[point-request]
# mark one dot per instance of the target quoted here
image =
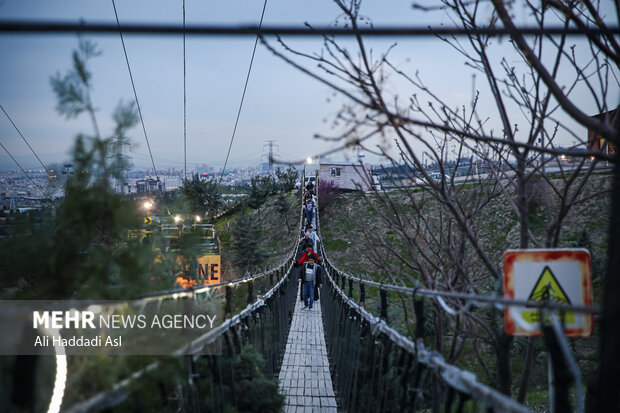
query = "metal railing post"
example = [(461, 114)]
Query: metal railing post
[(383, 310), (228, 300), (362, 292), (250, 292)]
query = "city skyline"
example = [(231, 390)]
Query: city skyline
[(281, 103)]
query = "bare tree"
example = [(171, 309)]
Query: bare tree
[(535, 105)]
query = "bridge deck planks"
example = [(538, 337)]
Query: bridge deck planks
[(304, 376)]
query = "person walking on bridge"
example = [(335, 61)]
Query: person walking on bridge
[(310, 277), (312, 235), (309, 207)]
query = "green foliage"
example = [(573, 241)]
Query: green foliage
[(247, 242), (81, 249), (73, 89), (256, 392), (336, 244), (284, 209), (261, 187), (202, 195), (287, 179)]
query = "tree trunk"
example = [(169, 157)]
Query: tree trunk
[(527, 368), (610, 334), (504, 375)]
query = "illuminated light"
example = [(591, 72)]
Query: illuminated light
[(309, 160), (61, 377), (147, 205), (197, 218), (177, 218)]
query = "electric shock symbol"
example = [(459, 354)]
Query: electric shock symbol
[(547, 288)]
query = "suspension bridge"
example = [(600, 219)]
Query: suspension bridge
[(336, 357), (339, 357)]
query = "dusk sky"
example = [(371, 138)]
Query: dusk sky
[(281, 103)]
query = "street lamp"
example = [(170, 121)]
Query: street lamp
[(177, 218), (197, 218), (309, 160)]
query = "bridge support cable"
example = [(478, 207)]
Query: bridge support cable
[(377, 369), (135, 94)]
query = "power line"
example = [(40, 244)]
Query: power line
[(377, 31), (120, 32), (25, 173), (247, 78)]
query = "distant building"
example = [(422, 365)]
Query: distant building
[(146, 185), (68, 168), (596, 142), (346, 175)]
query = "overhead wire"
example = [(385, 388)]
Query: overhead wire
[(32, 26), (30, 147), (247, 78), (26, 173), (120, 32)]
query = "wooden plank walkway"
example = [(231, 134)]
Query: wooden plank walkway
[(304, 377)]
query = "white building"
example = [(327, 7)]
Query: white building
[(346, 175)]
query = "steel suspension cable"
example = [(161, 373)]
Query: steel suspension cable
[(24, 139), (488, 299), (148, 145), (28, 144), (247, 78), (25, 173)]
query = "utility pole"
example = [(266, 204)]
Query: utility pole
[(119, 161), (271, 156)]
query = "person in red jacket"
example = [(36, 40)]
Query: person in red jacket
[(304, 257), (311, 280)]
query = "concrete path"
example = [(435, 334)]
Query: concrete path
[(304, 377)]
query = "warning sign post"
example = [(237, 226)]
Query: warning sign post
[(559, 276)]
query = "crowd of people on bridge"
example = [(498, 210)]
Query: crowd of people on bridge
[(307, 260)]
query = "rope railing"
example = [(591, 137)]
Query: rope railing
[(263, 324), (375, 368), (468, 297)]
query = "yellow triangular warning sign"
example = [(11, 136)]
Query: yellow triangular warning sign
[(547, 288)]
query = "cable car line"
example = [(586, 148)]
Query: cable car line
[(120, 32), (247, 78), (25, 173), (30, 147)]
